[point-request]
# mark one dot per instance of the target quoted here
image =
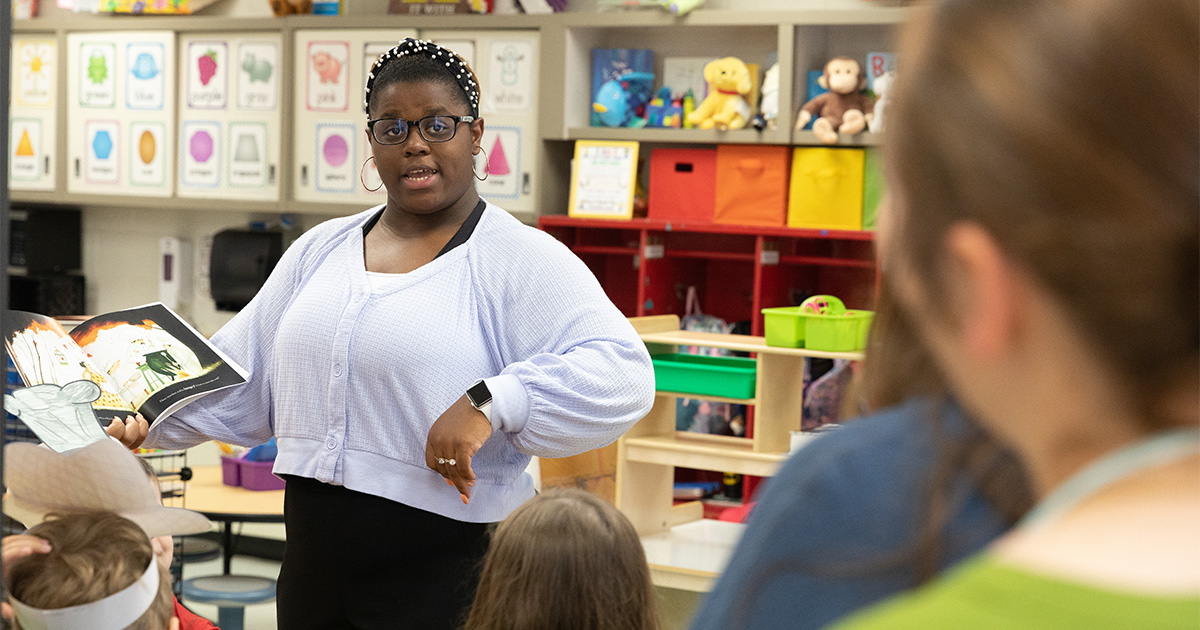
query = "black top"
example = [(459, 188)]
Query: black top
[(464, 231)]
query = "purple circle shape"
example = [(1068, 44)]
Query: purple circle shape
[(201, 146), (336, 150)]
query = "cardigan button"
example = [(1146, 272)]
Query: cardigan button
[(337, 369)]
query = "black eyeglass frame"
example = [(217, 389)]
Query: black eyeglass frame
[(417, 124)]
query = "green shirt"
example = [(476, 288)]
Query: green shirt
[(983, 594)]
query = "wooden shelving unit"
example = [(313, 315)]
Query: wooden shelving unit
[(685, 550)]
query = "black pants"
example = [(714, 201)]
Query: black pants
[(355, 560)]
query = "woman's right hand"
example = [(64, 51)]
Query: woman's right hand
[(131, 433)]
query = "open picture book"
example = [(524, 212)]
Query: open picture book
[(141, 360)]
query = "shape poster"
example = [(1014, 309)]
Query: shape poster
[(200, 151), (25, 155), (258, 76), (145, 85), (327, 85), (147, 154), (207, 70), (34, 62), (501, 161), (101, 164), (97, 80), (510, 76), (335, 158), (247, 154)]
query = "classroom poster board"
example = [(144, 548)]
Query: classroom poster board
[(229, 115), (603, 178), (329, 137), (506, 64), (33, 75), (121, 112)]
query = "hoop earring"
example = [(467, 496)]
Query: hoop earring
[(362, 175), (486, 167)]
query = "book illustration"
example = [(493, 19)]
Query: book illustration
[(62, 417), (144, 359)]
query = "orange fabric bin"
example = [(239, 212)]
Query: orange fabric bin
[(827, 189), (682, 185), (752, 184)]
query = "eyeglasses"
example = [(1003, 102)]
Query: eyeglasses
[(432, 128)]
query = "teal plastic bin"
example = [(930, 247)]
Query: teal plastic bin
[(729, 377)]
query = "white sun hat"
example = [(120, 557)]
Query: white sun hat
[(104, 476)]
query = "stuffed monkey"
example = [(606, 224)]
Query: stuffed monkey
[(844, 108)]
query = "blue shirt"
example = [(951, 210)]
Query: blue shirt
[(349, 378), (820, 538)]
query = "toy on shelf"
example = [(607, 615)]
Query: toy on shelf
[(291, 7), (678, 7), (844, 108), (768, 100), (883, 88), (663, 111), (617, 101), (725, 106)]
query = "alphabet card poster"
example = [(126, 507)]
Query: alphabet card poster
[(31, 132), (120, 106), (329, 133), (506, 64), (229, 132)]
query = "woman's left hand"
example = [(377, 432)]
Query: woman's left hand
[(457, 435)]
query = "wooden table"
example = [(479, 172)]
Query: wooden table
[(228, 505)]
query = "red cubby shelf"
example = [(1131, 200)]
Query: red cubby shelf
[(647, 265)]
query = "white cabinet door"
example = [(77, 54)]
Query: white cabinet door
[(121, 112), (506, 63), (31, 131), (229, 104), (330, 125)]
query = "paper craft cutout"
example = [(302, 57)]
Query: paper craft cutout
[(62, 417), (102, 476)]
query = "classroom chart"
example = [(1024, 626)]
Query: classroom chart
[(229, 129), (120, 112), (329, 136), (33, 85), (505, 63)]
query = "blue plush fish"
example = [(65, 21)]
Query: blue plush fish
[(613, 101)]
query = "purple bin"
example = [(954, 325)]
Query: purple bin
[(258, 476), (231, 471)]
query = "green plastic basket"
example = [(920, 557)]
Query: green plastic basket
[(729, 377), (838, 333), (784, 327)]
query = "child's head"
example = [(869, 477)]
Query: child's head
[(94, 556), (565, 559), (1042, 158)]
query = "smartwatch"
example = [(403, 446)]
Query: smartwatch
[(481, 399)]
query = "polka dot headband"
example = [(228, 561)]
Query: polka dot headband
[(453, 64)]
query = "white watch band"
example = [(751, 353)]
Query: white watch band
[(486, 409)]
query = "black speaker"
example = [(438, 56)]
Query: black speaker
[(45, 240), (53, 295), (239, 264)]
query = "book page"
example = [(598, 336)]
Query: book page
[(45, 354), (156, 359)]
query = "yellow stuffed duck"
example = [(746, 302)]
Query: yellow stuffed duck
[(725, 106)]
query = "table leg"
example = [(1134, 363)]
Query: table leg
[(227, 547)]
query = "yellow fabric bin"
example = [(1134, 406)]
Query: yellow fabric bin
[(826, 189)]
